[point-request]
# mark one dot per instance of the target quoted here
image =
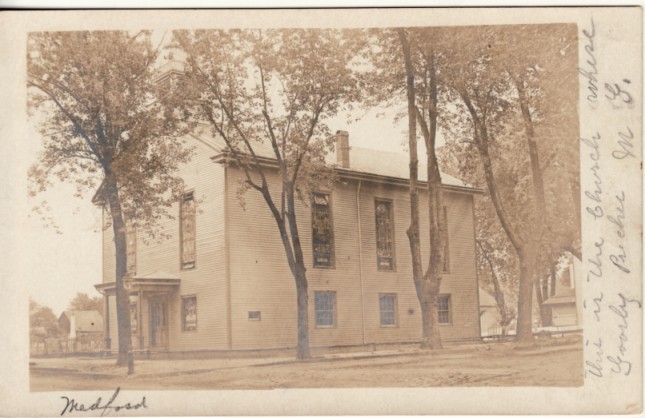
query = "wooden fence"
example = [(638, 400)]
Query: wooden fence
[(82, 344)]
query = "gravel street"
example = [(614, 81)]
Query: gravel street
[(549, 362)]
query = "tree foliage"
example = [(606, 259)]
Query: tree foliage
[(514, 129), (85, 302), (102, 124), (508, 114), (42, 322)]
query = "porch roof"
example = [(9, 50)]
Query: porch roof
[(160, 282)]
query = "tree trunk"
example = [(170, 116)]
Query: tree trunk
[(431, 337), (299, 273), (303, 351), (524, 321), (122, 299), (426, 289), (525, 302), (539, 298), (539, 209), (437, 226), (413, 231)]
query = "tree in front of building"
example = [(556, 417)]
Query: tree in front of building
[(408, 65), (510, 129), (95, 100), (274, 89)]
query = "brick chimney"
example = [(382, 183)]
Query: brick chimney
[(342, 149)]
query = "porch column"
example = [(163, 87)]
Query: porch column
[(140, 319), (108, 341)]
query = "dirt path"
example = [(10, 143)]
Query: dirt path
[(556, 364)]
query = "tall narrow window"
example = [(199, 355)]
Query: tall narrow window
[(187, 224), (446, 248), (384, 235), (189, 313), (388, 309), (322, 231), (443, 309), (131, 243), (325, 309)]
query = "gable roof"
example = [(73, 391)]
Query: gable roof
[(392, 164), (486, 299), (86, 321), (379, 165)]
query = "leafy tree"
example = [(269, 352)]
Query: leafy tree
[(511, 110), (272, 87), (84, 302), (102, 124), (42, 322), (422, 92)]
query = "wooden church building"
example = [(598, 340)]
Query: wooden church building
[(222, 281)]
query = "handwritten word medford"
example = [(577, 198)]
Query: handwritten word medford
[(71, 405)]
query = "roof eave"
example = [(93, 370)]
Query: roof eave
[(223, 158)]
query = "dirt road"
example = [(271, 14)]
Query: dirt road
[(551, 363)]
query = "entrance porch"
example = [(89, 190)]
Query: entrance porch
[(149, 298)]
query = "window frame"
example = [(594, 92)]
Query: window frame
[(187, 265), (332, 256), (184, 298), (395, 312), (334, 310), (448, 297), (389, 202)]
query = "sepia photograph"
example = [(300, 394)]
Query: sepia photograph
[(258, 207)]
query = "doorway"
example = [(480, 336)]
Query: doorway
[(158, 323)]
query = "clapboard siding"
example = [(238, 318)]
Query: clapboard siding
[(207, 280), (262, 280)]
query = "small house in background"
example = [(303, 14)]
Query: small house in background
[(566, 304), (489, 316), (78, 324)]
